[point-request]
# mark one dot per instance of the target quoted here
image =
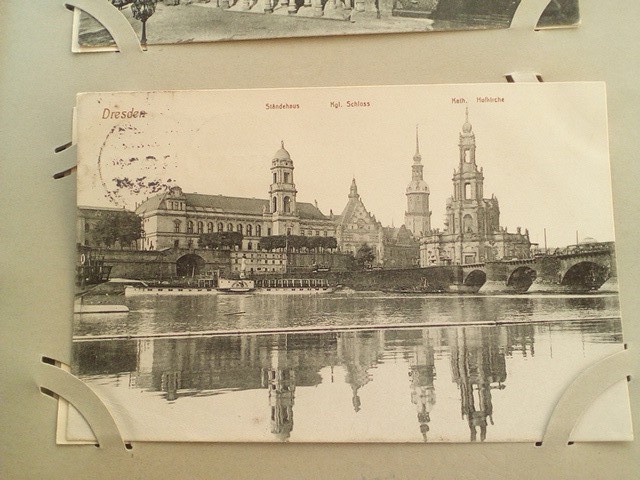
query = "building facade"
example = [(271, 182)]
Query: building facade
[(175, 219), (356, 226), (472, 232)]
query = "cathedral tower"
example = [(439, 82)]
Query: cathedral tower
[(472, 231), (417, 218), (466, 209), (282, 194)]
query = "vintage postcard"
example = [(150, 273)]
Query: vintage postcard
[(356, 264), (185, 21)]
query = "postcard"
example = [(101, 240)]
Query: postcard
[(186, 21), (355, 264)]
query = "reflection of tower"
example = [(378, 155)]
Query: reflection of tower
[(171, 384), (142, 376), (281, 382), (478, 366), (422, 375), (358, 352)]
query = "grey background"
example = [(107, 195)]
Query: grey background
[(39, 77)]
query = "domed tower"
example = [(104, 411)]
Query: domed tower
[(417, 218), (282, 194), (465, 211)]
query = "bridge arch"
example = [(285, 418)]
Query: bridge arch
[(189, 265), (521, 278), (586, 276), (475, 278)]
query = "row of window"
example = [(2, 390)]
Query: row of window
[(257, 255), (265, 269), (198, 227), (286, 205), (272, 262), (248, 230), (285, 177)]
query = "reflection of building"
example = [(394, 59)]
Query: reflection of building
[(281, 383), (358, 352), (422, 374), (472, 228), (177, 219), (282, 365), (478, 366)]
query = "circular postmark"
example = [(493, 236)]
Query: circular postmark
[(134, 164)]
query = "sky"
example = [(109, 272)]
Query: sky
[(543, 148)]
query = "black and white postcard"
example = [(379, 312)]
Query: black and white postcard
[(186, 21), (356, 264)]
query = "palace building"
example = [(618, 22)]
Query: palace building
[(175, 219), (472, 232)]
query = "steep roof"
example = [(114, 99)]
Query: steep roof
[(151, 204), (225, 204), (309, 211)]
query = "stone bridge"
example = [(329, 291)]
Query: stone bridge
[(570, 270)]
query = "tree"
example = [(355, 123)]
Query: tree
[(274, 242), (142, 10), (330, 243), (221, 240), (364, 256), (120, 226)]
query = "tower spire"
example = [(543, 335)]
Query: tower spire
[(466, 127), (353, 191), (417, 158)]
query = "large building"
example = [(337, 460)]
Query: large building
[(175, 219), (472, 232)]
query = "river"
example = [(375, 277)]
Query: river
[(406, 381)]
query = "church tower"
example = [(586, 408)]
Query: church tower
[(417, 218), (472, 231), (282, 194), (465, 210)]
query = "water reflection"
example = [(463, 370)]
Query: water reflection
[(478, 366), (280, 365), (422, 374), (158, 314)]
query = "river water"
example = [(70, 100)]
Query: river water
[(410, 381)]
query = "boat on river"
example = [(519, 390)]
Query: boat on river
[(131, 290), (300, 286), (242, 285)]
